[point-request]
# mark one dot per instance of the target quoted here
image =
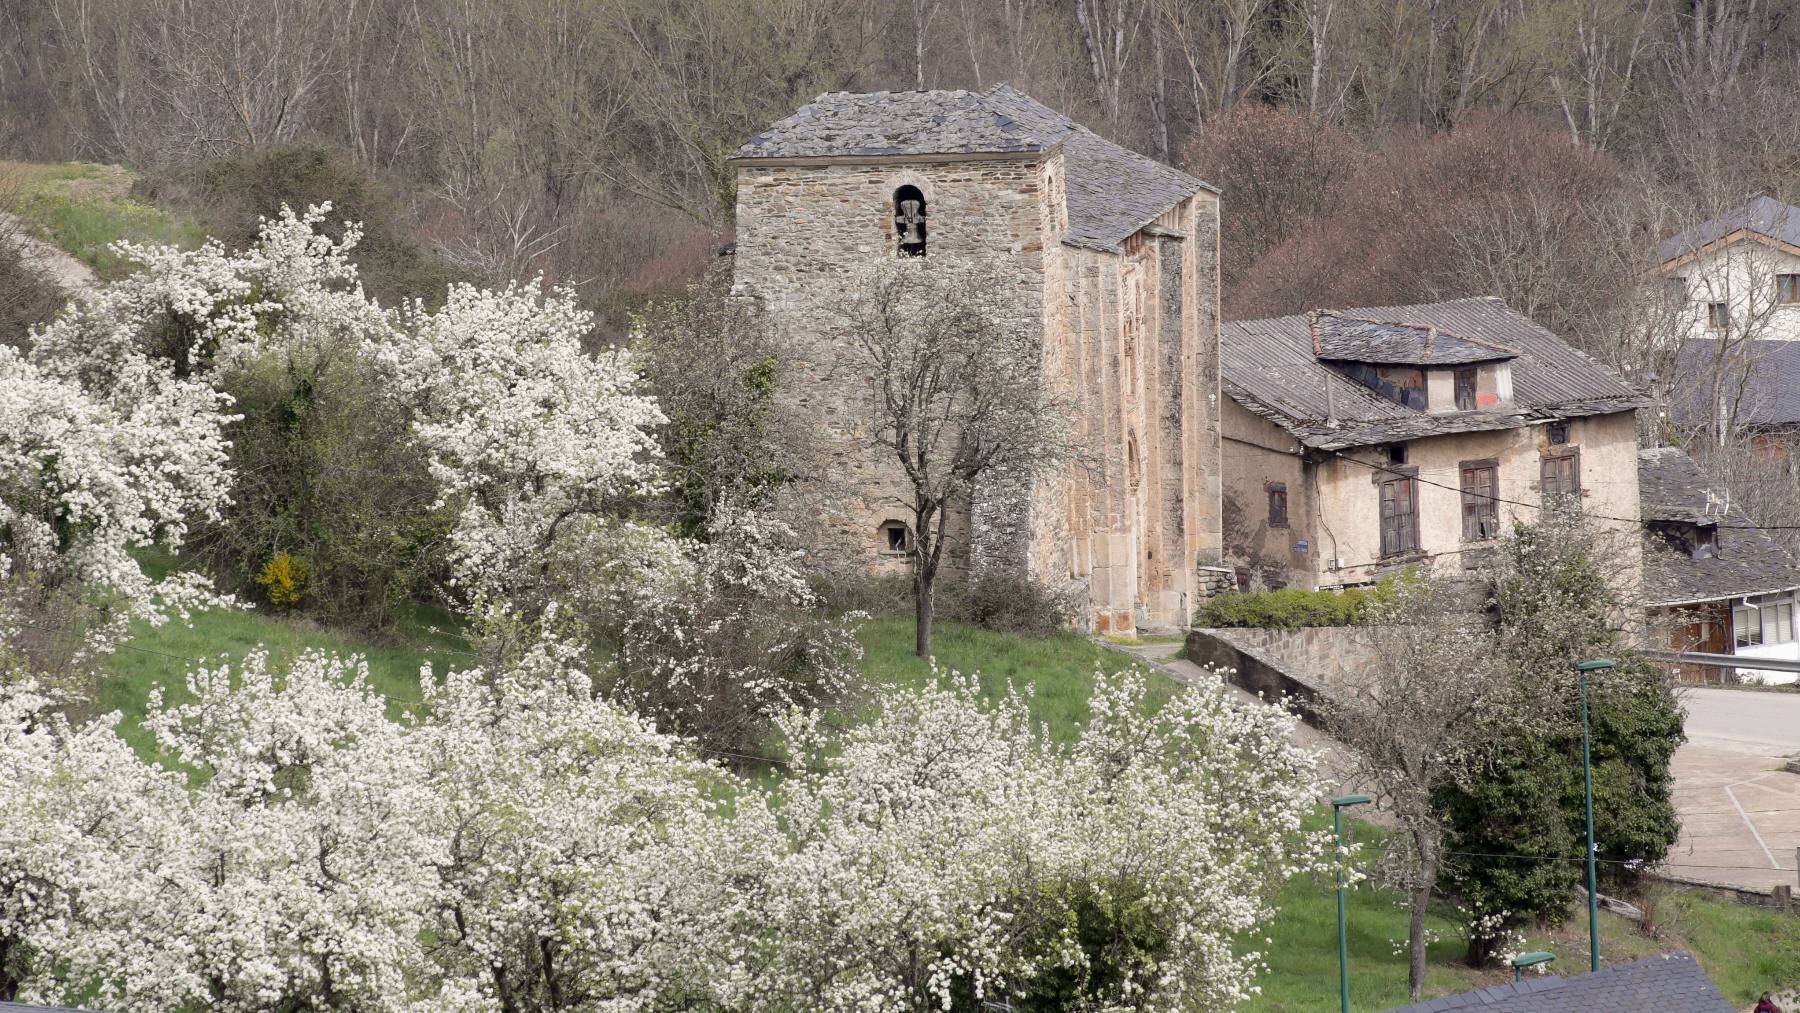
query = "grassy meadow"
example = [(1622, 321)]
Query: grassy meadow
[(84, 208)]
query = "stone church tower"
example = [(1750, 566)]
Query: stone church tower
[(1116, 259)]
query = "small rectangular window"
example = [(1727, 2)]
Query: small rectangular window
[(1787, 288), (1676, 289), (1746, 620), (1718, 316), (1560, 476), (1399, 516), (1465, 390), (1480, 501), (1778, 623), (1278, 505)]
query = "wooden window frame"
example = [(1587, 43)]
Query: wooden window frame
[(1554, 458), (1787, 288), (1278, 504), (1401, 536), (1457, 388), (1480, 509), (1718, 316)]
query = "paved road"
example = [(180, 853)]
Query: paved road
[(1744, 721), (1740, 813)]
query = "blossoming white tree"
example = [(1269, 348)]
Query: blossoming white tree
[(522, 845), (529, 437), (948, 852), (89, 472)]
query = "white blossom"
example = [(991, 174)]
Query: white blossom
[(529, 437), (88, 474)]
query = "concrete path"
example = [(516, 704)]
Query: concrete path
[(1740, 819), (1740, 812), (71, 274)]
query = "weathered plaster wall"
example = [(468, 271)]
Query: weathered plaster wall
[(1341, 517), (1256, 454)]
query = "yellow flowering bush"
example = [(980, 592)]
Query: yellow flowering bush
[(283, 580)]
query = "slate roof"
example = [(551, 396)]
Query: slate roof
[(1672, 488), (1270, 367), (1762, 382), (1112, 192), (19, 1007), (1764, 216), (1349, 339), (1673, 983)]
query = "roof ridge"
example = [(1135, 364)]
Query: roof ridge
[(1431, 330)]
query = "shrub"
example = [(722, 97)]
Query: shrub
[(1002, 602), (1289, 608), (326, 468), (1007, 603), (283, 580)]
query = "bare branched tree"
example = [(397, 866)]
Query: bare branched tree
[(957, 395), (1428, 718)]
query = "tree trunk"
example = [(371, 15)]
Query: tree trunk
[(1421, 902), (922, 608)]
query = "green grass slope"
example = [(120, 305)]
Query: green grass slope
[(84, 208)]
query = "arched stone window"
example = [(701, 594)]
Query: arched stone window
[(896, 538), (909, 221)]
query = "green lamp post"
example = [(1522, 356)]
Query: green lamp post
[(1338, 805), (1587, 777), (1524, 960)]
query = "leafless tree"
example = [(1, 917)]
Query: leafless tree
[(1429, 717), (1109, 33), (957, 395)]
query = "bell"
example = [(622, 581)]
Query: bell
[(909, 223)]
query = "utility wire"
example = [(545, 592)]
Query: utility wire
[(1538, 506)]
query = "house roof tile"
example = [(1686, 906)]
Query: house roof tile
[(1760, 382), (1764, 216), (1386, 342), (1112, 192), (1658, 985), (1273, 368), (1673, 490)]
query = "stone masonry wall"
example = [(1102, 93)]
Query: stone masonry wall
[(801, 231), (1130, 337)]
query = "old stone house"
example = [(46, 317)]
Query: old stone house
[(1115, 258), (1359, 442), (1714, 582)]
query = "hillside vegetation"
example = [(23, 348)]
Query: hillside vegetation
[(83, 208)]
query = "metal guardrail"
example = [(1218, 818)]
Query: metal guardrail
[(1725, 660)]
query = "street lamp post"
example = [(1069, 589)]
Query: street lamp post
[(1587, 778), (1338, 805)]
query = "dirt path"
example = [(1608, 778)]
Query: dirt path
[(67, 272)]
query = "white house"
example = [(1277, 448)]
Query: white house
[(1737, 275)]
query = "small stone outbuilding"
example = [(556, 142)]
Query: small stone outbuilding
[(1115, 258)]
